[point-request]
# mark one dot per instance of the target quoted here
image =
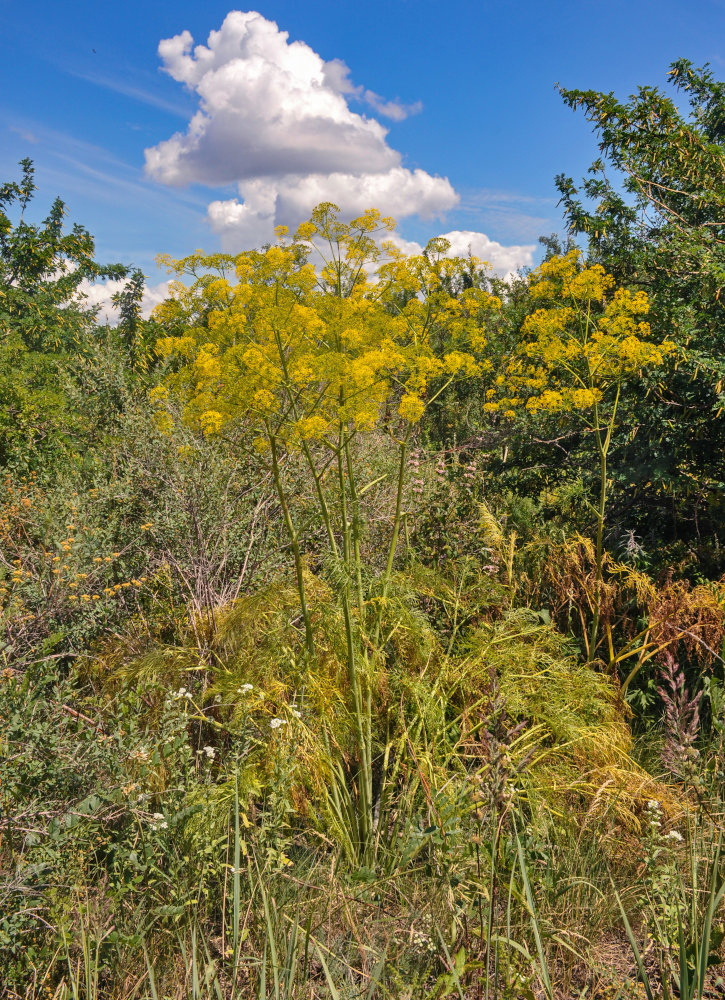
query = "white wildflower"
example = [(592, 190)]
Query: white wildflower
[(423, 941), (245, 688), (276, 723), (297, 715), (210, 752), (674, 835)]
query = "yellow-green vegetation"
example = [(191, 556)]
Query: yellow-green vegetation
[(351, 646)]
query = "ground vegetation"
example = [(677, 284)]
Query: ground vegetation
[(362, 615)]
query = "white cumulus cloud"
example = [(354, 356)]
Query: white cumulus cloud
[(99, 294), (265, 203), (276, 120), (503, 260), (267, 108)]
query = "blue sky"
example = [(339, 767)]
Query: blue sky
[(445, 112)]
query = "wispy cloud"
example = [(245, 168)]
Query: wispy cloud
[(109, 185), (513, 215), (58, 140), (485, 197), (88, 169), (135, 93), (25, 134), (337, 76)]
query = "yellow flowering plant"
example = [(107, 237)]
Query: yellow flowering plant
[(315, 341), (578, 348)]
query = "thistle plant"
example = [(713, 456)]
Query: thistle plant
[(314, 354)]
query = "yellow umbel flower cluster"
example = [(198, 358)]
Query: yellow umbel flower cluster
[(303, 350), (580, 344)]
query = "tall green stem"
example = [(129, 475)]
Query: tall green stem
[(359, 703), (294, 540), (356, 525), (395, 532), (599, 555), (398, 507), (603, 450)]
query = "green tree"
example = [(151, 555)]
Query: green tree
[(43, 323)]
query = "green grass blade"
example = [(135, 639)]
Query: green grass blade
[(334, 992), (635, 948), (543, 970)]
